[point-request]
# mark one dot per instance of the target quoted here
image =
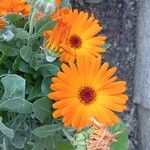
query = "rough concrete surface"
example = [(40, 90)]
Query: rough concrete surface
[(118, 18), (142, 74), (142, 71), (144, 130)]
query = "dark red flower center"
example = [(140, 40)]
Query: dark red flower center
[(75, 41), (87, 95)]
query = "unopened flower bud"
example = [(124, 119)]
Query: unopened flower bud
[(44, 6)]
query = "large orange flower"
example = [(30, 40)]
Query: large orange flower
[(14, 6), (87, 89), (79, 37), (2, 23)]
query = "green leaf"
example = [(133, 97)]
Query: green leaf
[(3, 59), (41, 144), (22, 66), (48, 70), (5, 130), (12, 17), (36, 91), (46, 130), (37, 60), (9, 49), (47, 26), (15, 30), (18, 141), (93, 1), (7, 145), (64, 146), (67, 134), (28, 147), (106, 46), (41, 22), (16, 124), (45, 86), (18, 105), (26, 53), (42, 108), (3, 71), (24, 35), (122, 138), (66, 3), (46, 143), (8, 35), (17, 88), (9, 64), (29, 87)]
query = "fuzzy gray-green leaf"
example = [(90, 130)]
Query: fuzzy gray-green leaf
[(26, 53), (47, 26), (46, 130), (5, 130), (24, 35), (9, 49), (42, 108), (14, 86), (45, 86), (48, 70), (18, 105)]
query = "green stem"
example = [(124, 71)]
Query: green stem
[(31, 24)]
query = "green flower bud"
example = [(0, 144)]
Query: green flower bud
[(44, 6), (51, 55)]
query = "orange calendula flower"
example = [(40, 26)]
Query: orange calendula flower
[(87, 89), (60, 13), (58, 2), (14, 6), (80, 36), (2, 23)]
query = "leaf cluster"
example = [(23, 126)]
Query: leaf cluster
[(25, 75)]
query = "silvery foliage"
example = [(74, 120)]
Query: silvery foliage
[(7, 36), (44, 6)]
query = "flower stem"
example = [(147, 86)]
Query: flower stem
[(31, 24)]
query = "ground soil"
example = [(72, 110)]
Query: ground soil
[(118, 18)]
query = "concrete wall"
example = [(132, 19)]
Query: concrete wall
[(142, 74)]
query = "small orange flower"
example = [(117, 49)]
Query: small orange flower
[(88, 89), (58, 2), (56, 35), (80, 36), (2, 23), (60, 13), (14, 6)]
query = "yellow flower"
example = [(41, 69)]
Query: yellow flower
[(14, 6), (87, 89), (2, 23), (80, 37)]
